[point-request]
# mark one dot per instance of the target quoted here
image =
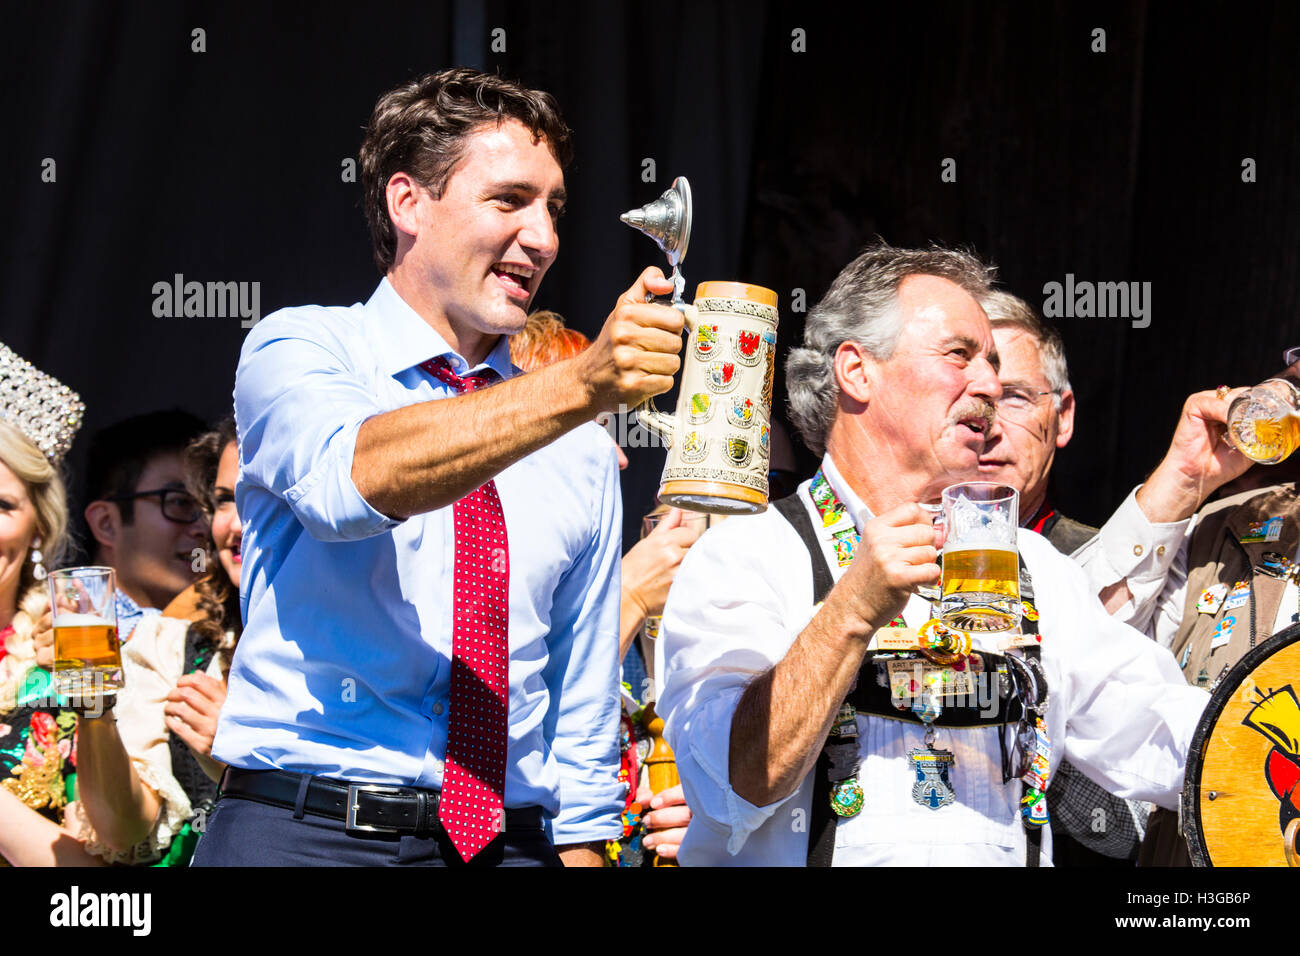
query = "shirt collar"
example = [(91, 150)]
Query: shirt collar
[(125, 605), (861, 513), (405, 340)]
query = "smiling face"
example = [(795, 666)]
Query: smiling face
[(473, 259), (227, 531), (17, 529), (930, 405), (1029, 428), (155, 556)]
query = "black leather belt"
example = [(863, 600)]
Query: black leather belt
[(363, 807)]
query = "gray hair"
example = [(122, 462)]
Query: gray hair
[(1007, 311), (862, 306)]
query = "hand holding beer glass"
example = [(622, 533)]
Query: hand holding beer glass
[(87, 656), (694, 521), (1264, 422), (980, 587)]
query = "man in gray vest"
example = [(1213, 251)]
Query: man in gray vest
[(1209, 584), (1035, 418)]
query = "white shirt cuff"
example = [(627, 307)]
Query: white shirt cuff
[(1134, 548)]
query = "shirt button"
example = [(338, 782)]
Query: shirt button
[(437, 709), (1160, 551), (1137, 550)]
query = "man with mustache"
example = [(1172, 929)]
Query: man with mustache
[(776, 663)]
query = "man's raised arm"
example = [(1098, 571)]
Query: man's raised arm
[(426, 456), (783, 717)]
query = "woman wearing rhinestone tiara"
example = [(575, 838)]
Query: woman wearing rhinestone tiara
[(38, 821)]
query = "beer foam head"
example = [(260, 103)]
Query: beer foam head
[(68, 619)]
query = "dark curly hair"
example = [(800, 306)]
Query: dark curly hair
[(218, 595), (422, 127)]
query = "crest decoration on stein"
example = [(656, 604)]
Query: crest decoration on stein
[(717, 463)]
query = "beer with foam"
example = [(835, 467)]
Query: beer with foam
[(988, 581), (980, 588), (1263, 436), (1264, 421), (87, 655)]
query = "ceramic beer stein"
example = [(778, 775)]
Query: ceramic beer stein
[(718, 438)]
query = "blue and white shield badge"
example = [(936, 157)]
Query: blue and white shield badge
[(932, 788)]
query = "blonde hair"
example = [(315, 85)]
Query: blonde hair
[(45, 490), (20, 646), (44, 486)]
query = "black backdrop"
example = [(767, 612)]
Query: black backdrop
[(805, 130)]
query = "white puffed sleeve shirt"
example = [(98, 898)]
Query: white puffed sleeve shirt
[(1120, 709)]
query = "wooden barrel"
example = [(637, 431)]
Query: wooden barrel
[(1241, 796)]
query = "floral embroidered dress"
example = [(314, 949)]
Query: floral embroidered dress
[(38, 741)]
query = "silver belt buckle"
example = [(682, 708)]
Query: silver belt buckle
[(351, 821)]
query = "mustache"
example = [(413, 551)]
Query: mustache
[(975, 408)]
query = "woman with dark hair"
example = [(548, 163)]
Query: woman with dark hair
[(211, 605)]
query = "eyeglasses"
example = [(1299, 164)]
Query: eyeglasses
[(1019, 402), (177, 505)]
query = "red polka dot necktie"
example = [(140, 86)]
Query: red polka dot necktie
[(474, 775)]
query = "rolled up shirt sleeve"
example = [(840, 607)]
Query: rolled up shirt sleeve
[(582, 673), (299, 406), (719, 633)]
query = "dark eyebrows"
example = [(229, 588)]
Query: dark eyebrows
[(558, 195)]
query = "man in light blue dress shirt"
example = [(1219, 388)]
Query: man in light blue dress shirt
[(351, 457)]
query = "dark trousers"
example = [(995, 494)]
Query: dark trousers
[(245, 833)]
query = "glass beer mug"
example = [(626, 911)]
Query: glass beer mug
[(980, 587), (87, 656), (1264, 422)]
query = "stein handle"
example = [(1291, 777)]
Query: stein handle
[(1291, 843), (654, 421)]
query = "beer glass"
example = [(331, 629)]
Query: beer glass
[(1264, 422), (691, 519), (87, 657), (980, 587)]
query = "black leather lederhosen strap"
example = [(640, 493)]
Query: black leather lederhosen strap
[(821, 830), (868, 696)]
